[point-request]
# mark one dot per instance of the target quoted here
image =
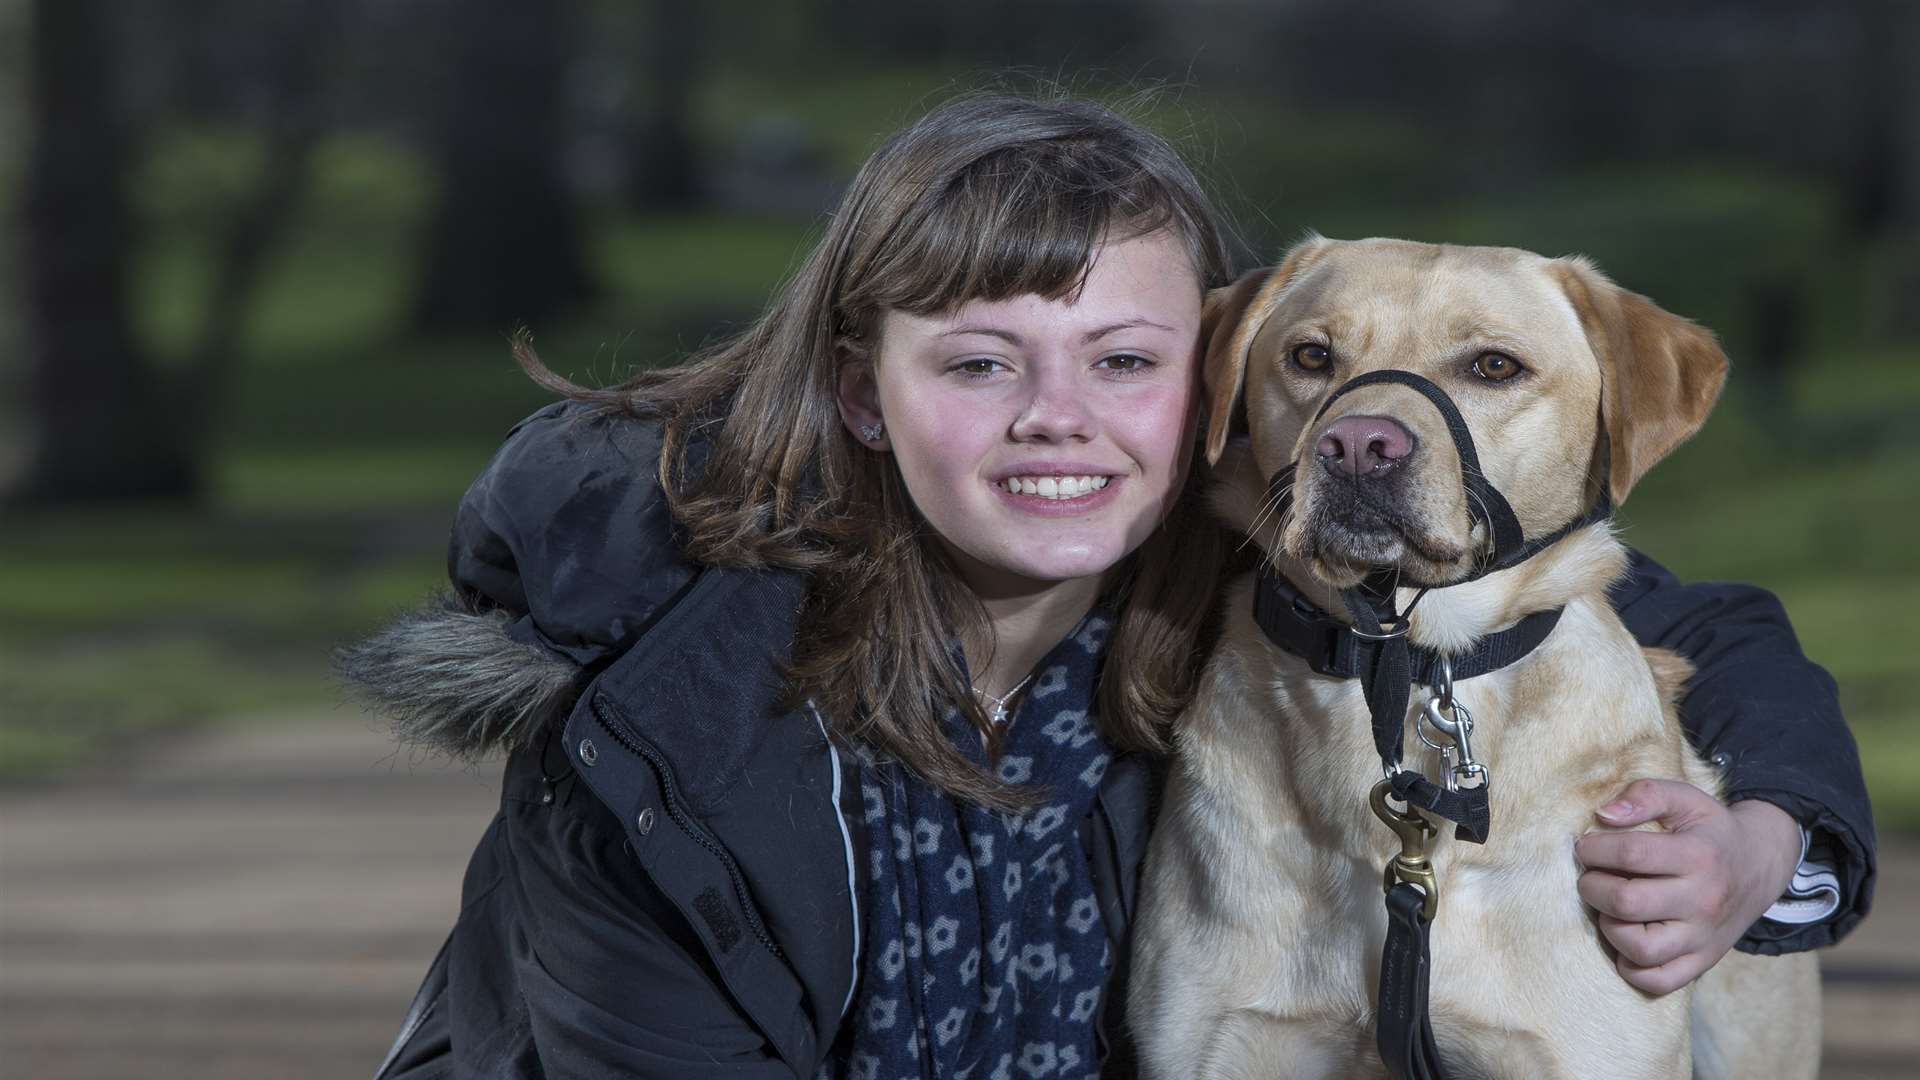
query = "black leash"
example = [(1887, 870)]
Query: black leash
[(1403, 1030), (1374, 649), (1405, 1034)]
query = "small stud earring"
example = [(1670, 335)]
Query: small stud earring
[(870, 432)]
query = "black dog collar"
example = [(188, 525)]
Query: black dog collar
[(1329, 646)]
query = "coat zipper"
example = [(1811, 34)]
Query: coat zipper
[(699, 835)]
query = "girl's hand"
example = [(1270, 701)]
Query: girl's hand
[(1672, 903)]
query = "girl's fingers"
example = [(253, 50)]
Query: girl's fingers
[(1647, 945), (1663, 978), (1639, 899), (1642, 854)]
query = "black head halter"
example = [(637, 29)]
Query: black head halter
[(1509, 546)]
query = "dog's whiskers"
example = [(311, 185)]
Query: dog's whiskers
[(1280, 526), (1487, 523), (1267, 509)]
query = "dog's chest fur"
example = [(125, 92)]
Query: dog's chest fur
[(1282, 857)]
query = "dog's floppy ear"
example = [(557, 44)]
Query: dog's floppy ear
[(1231, 320), (1659, 373), (1224, 367)]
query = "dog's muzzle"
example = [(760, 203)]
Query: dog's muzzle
[(1507, 543)]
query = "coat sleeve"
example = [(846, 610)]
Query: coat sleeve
[(614, 981), (1770, 719)]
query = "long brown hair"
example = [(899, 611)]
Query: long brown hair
[(988, 197)]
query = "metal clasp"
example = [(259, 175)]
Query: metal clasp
[(1416, 839), (1454, 723)]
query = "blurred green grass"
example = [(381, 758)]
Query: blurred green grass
[(345, 443)]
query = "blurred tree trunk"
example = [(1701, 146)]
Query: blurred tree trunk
[(1883, 190), (109, 425), (664, 168), (294, 117), (102, 428), (1878, 190), (503, 246)]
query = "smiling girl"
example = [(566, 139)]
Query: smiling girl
[(1041, 440), (834, 666)]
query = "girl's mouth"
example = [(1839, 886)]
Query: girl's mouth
[(1059, 488)]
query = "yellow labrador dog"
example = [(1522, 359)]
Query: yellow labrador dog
[(1258, 953)]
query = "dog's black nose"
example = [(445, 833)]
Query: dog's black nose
[(1363, 445)]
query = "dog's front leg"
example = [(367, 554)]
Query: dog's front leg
[(1190, 993)]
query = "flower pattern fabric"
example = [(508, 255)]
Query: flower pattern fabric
[(986, 954)]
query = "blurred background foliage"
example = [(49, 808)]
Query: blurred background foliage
[(264, 258)]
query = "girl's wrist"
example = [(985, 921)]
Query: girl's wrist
[(1773, 838)]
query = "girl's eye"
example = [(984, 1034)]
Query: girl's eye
[(1496, 366), (1127, 363), (1312, 357), (978, 367)]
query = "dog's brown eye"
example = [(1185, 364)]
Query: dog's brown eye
[(1496, 367), (1311, 357)]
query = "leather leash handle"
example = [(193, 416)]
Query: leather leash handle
[(1405, 1029)]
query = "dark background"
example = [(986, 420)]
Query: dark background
[(261, 260), (264, 258)]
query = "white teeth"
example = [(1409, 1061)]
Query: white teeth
[(1054, 487)]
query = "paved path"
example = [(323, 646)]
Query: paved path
[(260, 901)]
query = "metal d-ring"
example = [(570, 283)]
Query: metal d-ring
[(1395, 627), (1443, 682), (1441, 701)]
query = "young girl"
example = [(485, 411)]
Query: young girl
[(835, 665)]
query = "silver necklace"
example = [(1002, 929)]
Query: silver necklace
[(999, 713)]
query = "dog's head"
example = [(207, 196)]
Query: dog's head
[(1570, 385)]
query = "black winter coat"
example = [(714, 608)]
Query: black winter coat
[(668, 888)]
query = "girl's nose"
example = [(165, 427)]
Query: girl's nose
[(1054, 412)]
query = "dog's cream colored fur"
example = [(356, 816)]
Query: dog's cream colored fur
[(1259, 941)]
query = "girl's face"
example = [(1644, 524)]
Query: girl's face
[(1043, 440)]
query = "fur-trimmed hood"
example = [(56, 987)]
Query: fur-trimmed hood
[(561, 552), (453, 679)]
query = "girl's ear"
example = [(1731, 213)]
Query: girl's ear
[(858, 396)]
